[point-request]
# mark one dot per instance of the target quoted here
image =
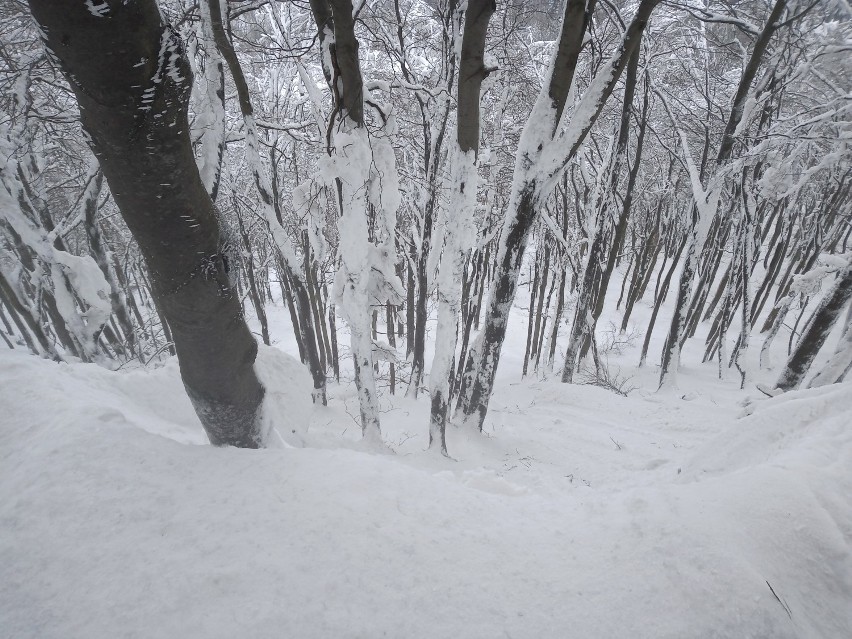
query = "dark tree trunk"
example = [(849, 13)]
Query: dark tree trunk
[(541, 308), (420, 310), (658, 303), (533, 286), (135, 114), (817, 331), (410, 292), (526, 202)]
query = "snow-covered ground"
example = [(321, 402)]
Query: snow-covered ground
[(702, 512)]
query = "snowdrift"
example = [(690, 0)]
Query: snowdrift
[(114, 522)]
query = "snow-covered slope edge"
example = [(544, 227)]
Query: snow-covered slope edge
[(108, 529), (778, 481)]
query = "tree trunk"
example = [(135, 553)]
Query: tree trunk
[(544, 150), (458, 236), (133, 105), (841, 360), (817, 331)]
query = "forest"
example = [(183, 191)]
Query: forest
[(542, 311)]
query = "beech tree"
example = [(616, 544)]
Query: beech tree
[(459, 212), (363, 172), (133, 106), (546, 147)]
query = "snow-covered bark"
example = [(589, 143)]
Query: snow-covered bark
[(350, 164), (459, 236), (211, 118), (458, 231), (550, 139), (815, 334), (362, 170)]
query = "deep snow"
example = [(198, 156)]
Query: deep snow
[(706, 512)]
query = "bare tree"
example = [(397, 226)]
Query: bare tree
[(472, 71), (128, 69), (547, 145), (818, 329)]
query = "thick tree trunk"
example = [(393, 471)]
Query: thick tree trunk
[(132, 81)]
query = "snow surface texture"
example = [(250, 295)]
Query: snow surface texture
[(581, 514)]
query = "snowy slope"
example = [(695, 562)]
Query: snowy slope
[(583, 514)]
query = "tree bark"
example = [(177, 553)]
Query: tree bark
[(817, 331), (132, 80), (472, 71), (536, 170)]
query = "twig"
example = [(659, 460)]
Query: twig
[(783, 603)]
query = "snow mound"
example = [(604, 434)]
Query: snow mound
[(112, 526), (287, 404), (799, 429)]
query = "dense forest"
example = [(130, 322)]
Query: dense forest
[(385, 162)]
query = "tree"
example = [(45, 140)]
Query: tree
[(460, 210), (815, 334), (549, 141), (129, 72), (595, 280), (704, 211), (362, 170)]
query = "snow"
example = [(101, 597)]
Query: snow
[(578, 513), (210, 120), (100, 10), (288, 396)]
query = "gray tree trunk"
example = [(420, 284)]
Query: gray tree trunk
[(824, 319), (129, 72)]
